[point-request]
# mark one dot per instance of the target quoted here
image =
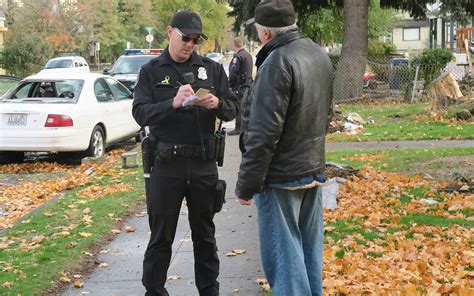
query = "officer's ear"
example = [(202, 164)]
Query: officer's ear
[(169, 30)]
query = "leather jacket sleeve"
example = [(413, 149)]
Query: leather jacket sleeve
[(269, 102)]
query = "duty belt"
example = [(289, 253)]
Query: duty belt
[(180, 150)]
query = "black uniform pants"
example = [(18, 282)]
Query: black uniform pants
[(238, 117), (169, 184)]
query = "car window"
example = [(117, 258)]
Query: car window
[(69, 89), (23, 91), (130, 65), (46, 89), (58, 64), (49, 91), (102, 91), (121, 92)]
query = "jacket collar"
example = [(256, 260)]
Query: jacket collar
[(276, 42), (165, 59)]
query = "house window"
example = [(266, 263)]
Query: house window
[(411, 34)]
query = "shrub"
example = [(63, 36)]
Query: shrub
[(431, 62), (378, 48)]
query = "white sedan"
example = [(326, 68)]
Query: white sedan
[(65, 112)]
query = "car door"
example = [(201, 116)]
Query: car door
[(127, 125), (110, 109)]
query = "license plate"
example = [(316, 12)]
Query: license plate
[(16, 119)]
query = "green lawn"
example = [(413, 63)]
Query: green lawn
[(403, 122), (393, 160), (5, 85), (53, 243)]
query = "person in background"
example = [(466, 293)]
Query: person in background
[(283, 158), (240, 68), (184, 165)]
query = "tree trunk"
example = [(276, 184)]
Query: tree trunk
[(217, 45), (351, 66)]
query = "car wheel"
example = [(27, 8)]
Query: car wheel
[(96, 143), (7, 157)]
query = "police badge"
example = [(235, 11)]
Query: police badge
[(202, 74)]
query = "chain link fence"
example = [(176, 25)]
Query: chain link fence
[(395, 78)]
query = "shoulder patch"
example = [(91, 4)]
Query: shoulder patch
[(234, 60)]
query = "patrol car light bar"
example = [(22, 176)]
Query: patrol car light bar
[(131, 51)]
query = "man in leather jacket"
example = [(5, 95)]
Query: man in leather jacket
[(184, 164), (283, 161)]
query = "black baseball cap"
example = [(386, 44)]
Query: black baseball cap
[(188, 22), (274, 14)]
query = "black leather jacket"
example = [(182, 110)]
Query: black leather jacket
[(287, 112)]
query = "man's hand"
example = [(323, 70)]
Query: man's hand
[(184, 91), (208, 101), (245, 201)]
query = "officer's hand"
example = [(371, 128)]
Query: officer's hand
[(184, 91), (209, 101)]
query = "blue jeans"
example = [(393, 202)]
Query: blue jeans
[(291, 235)]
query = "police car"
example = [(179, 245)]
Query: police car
[(128, 65)]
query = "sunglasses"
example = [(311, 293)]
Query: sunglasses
[(186, 39)]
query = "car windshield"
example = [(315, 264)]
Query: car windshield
[(213, 55), (51, 91), (52, 64), (130, 65)]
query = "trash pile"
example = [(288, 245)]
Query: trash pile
[(466, 85), (460, 184), (351, 124), (335, 174)]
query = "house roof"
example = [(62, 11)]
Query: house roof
[(412, 23)]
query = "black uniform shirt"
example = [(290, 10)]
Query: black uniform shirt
[(241, 65), (158, 83)]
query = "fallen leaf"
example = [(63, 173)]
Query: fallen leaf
[(78, 284), (85, 234), (129, 229), (264, 284), (64, 279), (103, 265), (173, 277), (38, 239), (116, 231), (7, 284)]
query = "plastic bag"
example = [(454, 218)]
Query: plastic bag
[(330, 191)]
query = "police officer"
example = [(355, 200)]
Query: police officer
[(183, 165), (240, 68)]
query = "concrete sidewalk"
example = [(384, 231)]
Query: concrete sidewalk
[(236, 228)]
